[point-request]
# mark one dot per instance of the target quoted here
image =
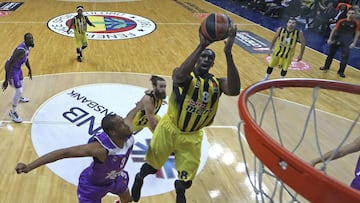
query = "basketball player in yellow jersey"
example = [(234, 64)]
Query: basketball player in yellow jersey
[(80, 27), (192, 106), (150, 104), (285, 40)]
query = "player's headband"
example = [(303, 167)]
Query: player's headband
[(79, 8)]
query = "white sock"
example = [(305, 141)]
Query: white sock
[(266, 76), (16, 98), (13, 108)]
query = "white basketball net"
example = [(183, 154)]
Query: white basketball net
[(305, 131)]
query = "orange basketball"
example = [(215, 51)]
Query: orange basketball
[(216, 26)]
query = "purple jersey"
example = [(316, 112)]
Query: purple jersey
[(356, 182), (17, 66), (100, 178)]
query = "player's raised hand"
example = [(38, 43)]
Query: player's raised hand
[(203, 41), (231, 38)]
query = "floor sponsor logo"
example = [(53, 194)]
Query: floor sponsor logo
[(10, 6), (108, 25), (251, 42), (4, 13), (72, 116), (295, 65)]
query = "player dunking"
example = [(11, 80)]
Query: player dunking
[(150, 104), (14, 75), (285, 40), (110, 151), (80, 23), (192, 104)]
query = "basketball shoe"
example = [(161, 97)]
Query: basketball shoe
[(324, 68), (341, 74), (24, 99), (15, 117), (136, 188)]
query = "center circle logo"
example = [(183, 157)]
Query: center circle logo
[(108, 25), (72, 116)]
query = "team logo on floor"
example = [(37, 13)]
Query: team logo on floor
[(72, 116), (108, 25), (295, 65)]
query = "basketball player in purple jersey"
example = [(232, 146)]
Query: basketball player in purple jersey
[(14, 75), (110, 151), (343, 151)]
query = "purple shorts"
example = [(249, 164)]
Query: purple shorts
[(356, 183), (16, 79), (91, 193)]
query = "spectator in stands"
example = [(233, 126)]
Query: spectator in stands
[(285, 9), (306, 8), (342, 10), (317, 9), (323, 18), (292, 10)]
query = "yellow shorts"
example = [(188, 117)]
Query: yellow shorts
[(138, 125), (81, 39), (284, 63), (168, 138)]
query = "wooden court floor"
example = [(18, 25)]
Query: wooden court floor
[(132, 61)]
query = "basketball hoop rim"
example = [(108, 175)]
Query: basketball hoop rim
[(263, 145)]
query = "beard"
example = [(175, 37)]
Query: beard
[(160, 95), (30, 44)]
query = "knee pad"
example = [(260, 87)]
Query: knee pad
[(148, 169), (269, 70), (181, 186)]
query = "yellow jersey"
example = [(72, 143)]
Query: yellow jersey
[(193, 105), (80, 24), (285, 44)]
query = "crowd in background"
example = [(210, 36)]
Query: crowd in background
[(316, 15)]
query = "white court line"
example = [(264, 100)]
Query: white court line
[(146, 74), (10, 121)]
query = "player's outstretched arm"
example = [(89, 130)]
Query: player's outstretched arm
[(132, 113), (149, 108), (343, 151), (93, 149)]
